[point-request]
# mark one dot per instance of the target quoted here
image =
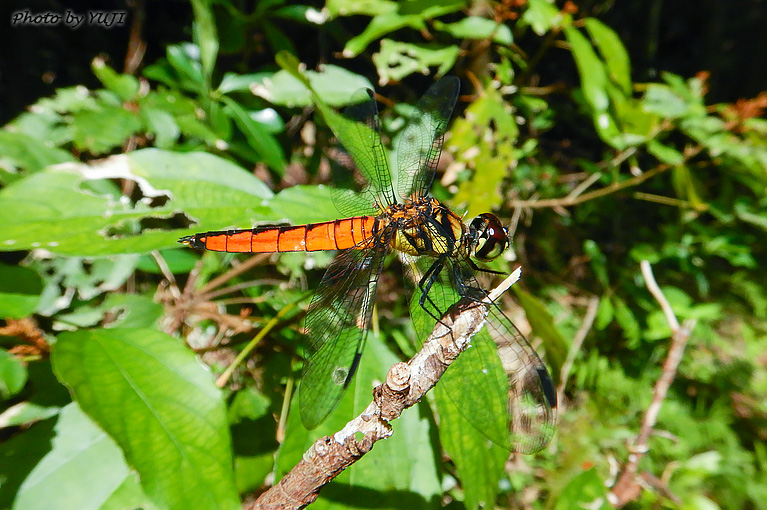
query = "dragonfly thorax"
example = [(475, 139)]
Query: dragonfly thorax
[(425, 226)]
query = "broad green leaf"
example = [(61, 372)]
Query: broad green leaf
[(479, 462), (254, 437), (402, 465), (171, 420), (477, 27), (613, 52), (132, 310), (590, 69), (13, 375), (84, 459), (304, 204), (397, 60), (543, 327), (20, 289), (22, 152), (258, 136), (74, 210)]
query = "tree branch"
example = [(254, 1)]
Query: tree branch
[(405, 385), (627, 487)]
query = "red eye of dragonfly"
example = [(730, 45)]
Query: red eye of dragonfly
[(382, 217), (491, 238)]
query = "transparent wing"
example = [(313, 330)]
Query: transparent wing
[(361, 174), (500, 385), (420, 144), (336, 323)]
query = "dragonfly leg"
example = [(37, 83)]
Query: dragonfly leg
[(425, 284)]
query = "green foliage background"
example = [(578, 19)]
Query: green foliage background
[(112, 334)]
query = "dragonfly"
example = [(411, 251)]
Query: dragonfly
[(386, 212)]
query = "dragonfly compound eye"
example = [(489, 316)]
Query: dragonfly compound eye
[(491, 238)]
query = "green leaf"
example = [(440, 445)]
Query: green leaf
[(162, 125), (604, 313), (590, 69), (84, 459), (124, 85), (479, 462), (171, 420), (477, 27), (62, 210), (338, 8), (104, 129), (205, 35), (23, 451), (304, 204), (184, 58), (542, 16), (543, 327), (397, 60), (233, 82), (664, 101), (20, 289), (335, 85), (13, 375), (380, 26), (665, 153), (613, 52), (21, 152), (258, 136)]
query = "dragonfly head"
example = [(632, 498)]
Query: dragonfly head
[(490, 237)]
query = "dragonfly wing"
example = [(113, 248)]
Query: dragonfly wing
[(499, 384), (336, 323), (361, 170), (420, 143)]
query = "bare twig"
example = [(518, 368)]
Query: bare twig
[(580, 336), (405, 385), (570, 200), (628, 486)]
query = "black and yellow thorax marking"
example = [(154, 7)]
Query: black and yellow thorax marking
[(424, 227)]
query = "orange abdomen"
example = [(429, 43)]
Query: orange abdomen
[(329, 235)]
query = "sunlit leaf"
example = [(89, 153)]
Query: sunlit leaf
[(171, 422), (85, 460)]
